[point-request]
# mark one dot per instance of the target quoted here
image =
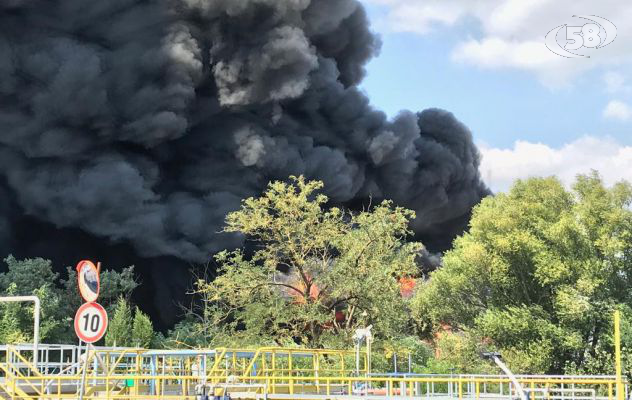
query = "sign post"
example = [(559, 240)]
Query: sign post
[(91, 319)]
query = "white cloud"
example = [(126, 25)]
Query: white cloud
[(501, 167), (512, 32), (617, 110), (421, 17), (615, 82)]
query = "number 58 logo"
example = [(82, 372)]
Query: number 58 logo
[(595, 35)]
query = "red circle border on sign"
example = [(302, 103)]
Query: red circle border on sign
[(91, 264), (101, 331)]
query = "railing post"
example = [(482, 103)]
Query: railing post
[(609, 390), (617, 353)]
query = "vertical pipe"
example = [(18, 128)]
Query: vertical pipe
[(36, 320), (617, 353), (36, 324)]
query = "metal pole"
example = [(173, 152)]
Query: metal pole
[(617, 353), (85, 370), (36, 319), (369, 342), (395, 362), (512, 377), (358, 358)]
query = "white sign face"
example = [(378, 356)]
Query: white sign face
[(91, 321)]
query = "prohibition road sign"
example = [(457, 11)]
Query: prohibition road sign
[(91, 321)]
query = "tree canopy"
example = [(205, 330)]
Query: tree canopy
[(315, 274), (59, 299), (129, 329), (539, 274)]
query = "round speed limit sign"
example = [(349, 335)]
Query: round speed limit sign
[(91, 321)]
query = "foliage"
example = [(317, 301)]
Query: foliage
[(31, 277), (113, 285), (13, 317), (397, 351), (539, 274), (142, 330), (537, 277), (59, 299), (129, 329), (120, 325), (190, 333), (316, 274)]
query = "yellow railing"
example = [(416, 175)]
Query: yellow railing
[(268, 359), (308, 374), (183, 387)]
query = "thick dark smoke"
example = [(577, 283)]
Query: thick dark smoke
[(143, 122)]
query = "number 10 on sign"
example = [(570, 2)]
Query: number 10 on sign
[(91, 322)]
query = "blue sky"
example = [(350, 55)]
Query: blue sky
[(539, 114)]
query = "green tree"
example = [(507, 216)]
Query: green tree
[(59, 298), (142, 330), (539, 274), (316, 273), (32, 277), (119, 331), (13, 320)]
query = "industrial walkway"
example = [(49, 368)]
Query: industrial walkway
[(69, 372)]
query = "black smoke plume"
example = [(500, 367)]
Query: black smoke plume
[(141, 123)]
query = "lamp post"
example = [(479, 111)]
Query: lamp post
[(495, 356)]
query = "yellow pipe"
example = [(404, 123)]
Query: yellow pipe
[(617, 353), (609, 391)]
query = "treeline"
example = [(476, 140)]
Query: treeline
[(537, 277)]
